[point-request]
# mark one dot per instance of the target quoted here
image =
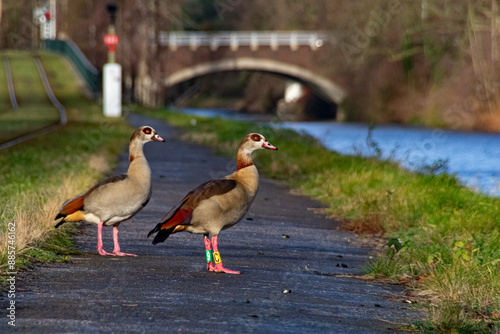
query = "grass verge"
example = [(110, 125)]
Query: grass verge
[(443, 239), (35, 109), (36, 177)]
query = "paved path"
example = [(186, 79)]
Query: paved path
[(167, 289)]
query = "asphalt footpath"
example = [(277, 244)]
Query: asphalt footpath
[(298, 270)]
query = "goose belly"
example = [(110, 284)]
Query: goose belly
[(219, 213), (117, 206)]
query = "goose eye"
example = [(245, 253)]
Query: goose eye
[(147, 131), (256, 138)]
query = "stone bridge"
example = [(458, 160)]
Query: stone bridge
[(293, 54)]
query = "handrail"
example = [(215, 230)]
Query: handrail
[(87, 71), (10, 83), (314, 39)]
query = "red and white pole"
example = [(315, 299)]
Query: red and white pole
[(112, 71)]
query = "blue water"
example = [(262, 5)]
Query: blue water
[(473, 157)]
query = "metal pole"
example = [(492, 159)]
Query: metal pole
[(111, 7), (112, 72)]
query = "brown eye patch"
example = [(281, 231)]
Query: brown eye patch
[(147, 131), (255, 137)]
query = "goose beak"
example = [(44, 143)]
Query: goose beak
[(269, 146), (157, 138)]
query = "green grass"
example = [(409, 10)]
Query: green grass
[(15, 123), (36, 177), (27, 81), (35, 110), (444, 239)]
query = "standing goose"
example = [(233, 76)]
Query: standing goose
[(116, 198), (217, 204)]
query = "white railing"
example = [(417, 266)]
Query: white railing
[(234, 39)]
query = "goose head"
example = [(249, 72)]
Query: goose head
[(255, 141), (145, 134)]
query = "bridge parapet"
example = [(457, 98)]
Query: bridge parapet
[(235, 39), (299, 55)]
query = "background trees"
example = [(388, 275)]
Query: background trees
[(431, 62)]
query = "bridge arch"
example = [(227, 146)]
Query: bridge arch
[(323, 87)]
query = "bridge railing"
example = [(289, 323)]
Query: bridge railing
[(234, 39), (69, 49)]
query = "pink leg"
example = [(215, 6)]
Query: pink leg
[(208, 247), (218, 262), (99, 240), (117, 251)]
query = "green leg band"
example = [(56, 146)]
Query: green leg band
[(209, 255)]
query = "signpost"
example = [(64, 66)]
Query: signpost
[(46, 17), (112, 72)]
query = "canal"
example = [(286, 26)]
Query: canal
[(473, 157)]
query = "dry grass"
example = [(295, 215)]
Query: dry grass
[(33, 212), (371, 225)]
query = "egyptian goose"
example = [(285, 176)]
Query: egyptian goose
[(216, 204), (116, 198)]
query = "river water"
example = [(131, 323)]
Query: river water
[(473, 157)]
